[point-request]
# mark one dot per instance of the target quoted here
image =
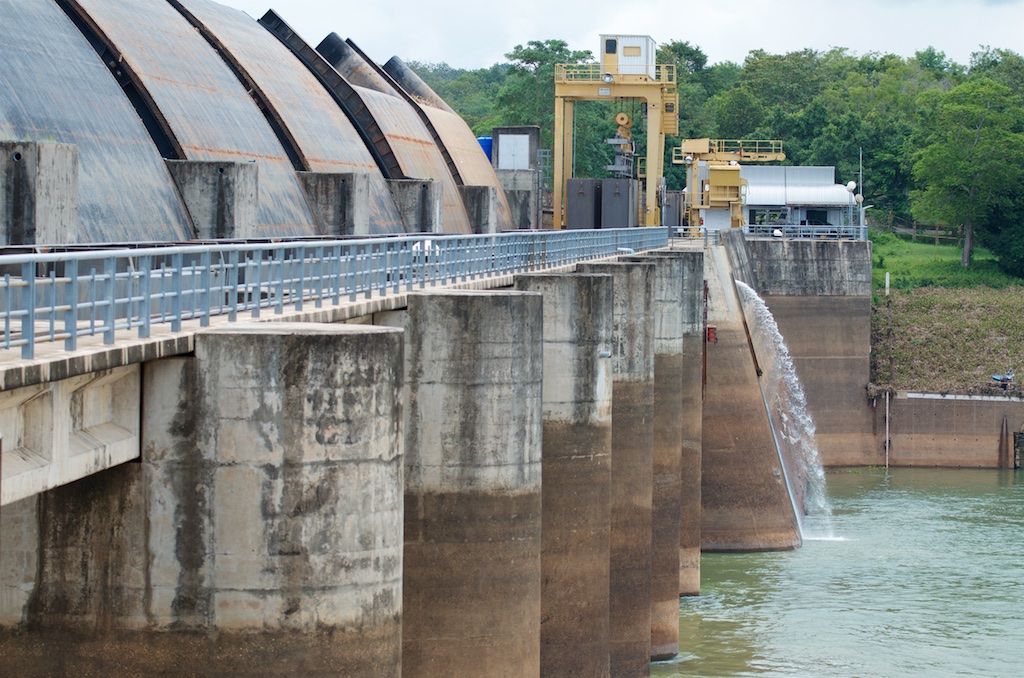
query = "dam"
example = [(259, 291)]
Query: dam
[(284, 389)]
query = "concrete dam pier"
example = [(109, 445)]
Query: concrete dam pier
[(368, 498)]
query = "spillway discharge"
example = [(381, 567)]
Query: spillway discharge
[(790, 418)]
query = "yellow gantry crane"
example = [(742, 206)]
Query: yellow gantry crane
[(627, 72), (723, 189)]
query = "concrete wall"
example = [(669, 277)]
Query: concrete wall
[(833, 268), (523, 191), (829, 340), (222, 198), (820, 294), (64, 430), (340, 202), (38, 193), (19, 559), (949, 431)]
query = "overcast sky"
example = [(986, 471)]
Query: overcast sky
[(475, 34)]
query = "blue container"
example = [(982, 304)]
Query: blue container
[(487, 143)]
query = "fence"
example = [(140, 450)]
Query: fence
[(829, 232), (63, 296)]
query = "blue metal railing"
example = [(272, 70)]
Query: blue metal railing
[(840, 232), (63, 296)]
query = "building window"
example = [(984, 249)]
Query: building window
[(817, 217)]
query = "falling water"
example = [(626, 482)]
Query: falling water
[(794, 428)]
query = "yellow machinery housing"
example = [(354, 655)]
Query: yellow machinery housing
[(627, 72), (724, 189)]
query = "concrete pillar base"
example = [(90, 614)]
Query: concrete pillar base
[(482, 206), (260, 535), (222, 198), (38, 193), (420, 204), (632, 466), (473, 479), (340, 202)]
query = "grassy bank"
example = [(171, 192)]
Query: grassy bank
[(943, 328)]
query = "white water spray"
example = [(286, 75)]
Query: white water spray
[(794, 428)]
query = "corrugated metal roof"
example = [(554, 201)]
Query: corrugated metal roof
[(778, 186)]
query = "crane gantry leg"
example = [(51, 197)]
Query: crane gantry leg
[(564, 112)]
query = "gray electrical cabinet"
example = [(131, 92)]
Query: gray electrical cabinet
[(583, 203)]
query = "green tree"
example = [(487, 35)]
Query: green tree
[(528, 94), (871, 109), (974, 157), (1001, 65), (689, 60), (936, 63), (720, 77), (790, 81), (738, 112)]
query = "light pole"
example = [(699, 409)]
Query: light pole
[(851, 187)]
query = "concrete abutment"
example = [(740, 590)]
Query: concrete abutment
[(261, 533)]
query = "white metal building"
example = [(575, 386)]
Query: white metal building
[(804, 196)]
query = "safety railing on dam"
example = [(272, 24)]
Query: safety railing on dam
[(713, 236), (62, 296), (821, 232)]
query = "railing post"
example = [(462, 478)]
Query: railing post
[(52, 312), (318, 266), (231, 284), (71, 301), (110, 286), (28, 321), (278, 279), (177, 290), (337, 252), (205, 282), (254, 285), (368, 269), (299, 281), (145, 303)]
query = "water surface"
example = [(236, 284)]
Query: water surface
[(921, 575)]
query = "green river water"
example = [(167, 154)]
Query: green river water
[(920, 574)]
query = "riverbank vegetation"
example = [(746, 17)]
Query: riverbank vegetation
[(943, 328)]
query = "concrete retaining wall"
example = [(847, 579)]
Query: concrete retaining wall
[(949, 431)]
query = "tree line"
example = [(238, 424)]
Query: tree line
[(942, 142)]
